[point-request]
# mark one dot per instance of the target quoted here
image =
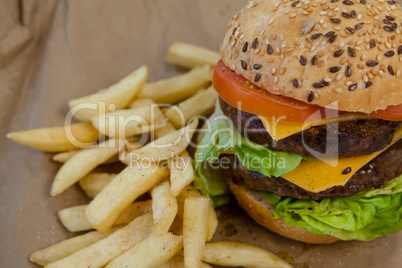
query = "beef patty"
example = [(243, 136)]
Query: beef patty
[(383, 168), (350, 138)]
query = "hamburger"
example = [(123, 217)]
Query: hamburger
[(307, 129)]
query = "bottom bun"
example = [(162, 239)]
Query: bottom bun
[(261, 212)]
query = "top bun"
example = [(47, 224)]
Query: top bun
[(343, 54)]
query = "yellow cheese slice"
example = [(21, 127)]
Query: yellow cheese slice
[(316, 176), (279, 130)]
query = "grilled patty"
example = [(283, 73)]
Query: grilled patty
[(349, 138), (385, 167)]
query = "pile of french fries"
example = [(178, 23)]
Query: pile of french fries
[(172, 228)]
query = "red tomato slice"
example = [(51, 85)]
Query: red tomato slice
[(240, 93), (392, 113)]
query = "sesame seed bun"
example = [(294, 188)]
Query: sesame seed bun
[(261, 212), (338, 53)]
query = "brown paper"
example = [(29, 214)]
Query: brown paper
[(54, 51)]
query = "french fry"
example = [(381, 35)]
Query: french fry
[(151, 252), (177, 261), (81, 164), (57, 139), (93, 183), (116, 97), (181, 173), (64, 156), (195, 224), (160, 119), (190, 56), (201, 104), (75, 220), (238, 254), (66, 247), (178, 88), (132, 182), (126, 123), (169, 145), (191, 192), (164, 207), (103, 251), (212, 223)]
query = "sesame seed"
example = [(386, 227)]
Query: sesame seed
[(348, 83), (257, 77), (335, 20), (363, 2), (276, 80), (243, 65), (359, 17), (334, 69), (269, 49), (381, 73), (330, 34), (318, 85), (390, 18), (308, 26), (353, 14), (389, 53), (303, 60), (359, 25), (365, 78), (324, 82), (378, 57), (391, 70), (368, 84), (400, 50), (245, 47), (338, 90), (315, 36), (350, 30), (234, 30), (352, 87), (372, 63), (310, 96), (351, 52), (332, 39), (338, 77), (398, 73), (348, 71), (389, 28), (255, 43), (274, 71), (271, 21), (346, 171), (373, 43), (348, 3), (295, 83), (360, 66), (295, 3), (256, 66), (341, 44), (387, 21), (338, 53), (314, 60)]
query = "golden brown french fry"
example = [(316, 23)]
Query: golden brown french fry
[(116, 97), (139, 103), (195, 224), (103, 251), (201, 104), (212, 223), (238, 254), (190, 56), (177, 261), (66, 247), (181, 173), (81, 164), (151, 252), (93, 183), (64, 156), (132, 182), (164, 207), (169, 145), (127, 123), (178, 88), (166, 128), (57, 139), (75, 220), (191, 192)]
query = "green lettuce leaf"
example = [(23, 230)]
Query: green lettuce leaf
[(222, 136), (364, 216)]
